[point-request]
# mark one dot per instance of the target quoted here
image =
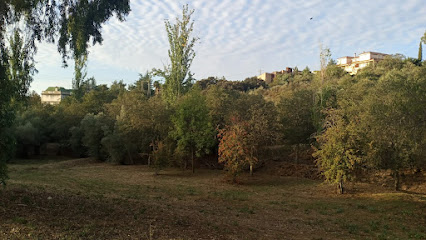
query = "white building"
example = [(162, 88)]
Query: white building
[(54, 95), (353, 64)]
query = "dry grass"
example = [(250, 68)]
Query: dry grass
[(82, 199)]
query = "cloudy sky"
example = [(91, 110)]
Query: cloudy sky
[(240, 38)]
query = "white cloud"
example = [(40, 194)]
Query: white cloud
[(239, 37)]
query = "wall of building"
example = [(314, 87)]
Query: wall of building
[(344, 60), (364, 57), (267, 77), (51, 97)]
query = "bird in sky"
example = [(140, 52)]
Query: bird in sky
[(311, 18)]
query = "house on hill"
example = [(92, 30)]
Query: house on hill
[(54, 95), (353, 64), (269, 77)]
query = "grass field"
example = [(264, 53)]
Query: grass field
[(83, 199)]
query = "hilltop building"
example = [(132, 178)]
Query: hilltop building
[(269, 77), (54, 95), (353, 64)]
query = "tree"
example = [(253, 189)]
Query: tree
[(143, 121), (325, 57), (377, 123), (254, 126), (192, 125), (178, 78), (76, 22), (420, 56), (21, 65), (234, 149), (144, 84), (94, 128), (80, 73), (16, 69), (220, 103), (262, 128), (295, 114), (396, 121), (119, 142), (323, 88), (339, 152), (161, 155)]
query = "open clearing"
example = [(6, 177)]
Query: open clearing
[(83, 199)]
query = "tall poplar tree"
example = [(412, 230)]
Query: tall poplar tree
[(181, 53), (420, 56)]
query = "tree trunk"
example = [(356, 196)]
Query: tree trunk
[(397, 179), (251, 163), (341, 187), (130, 157), (192, 159), (297, 153)]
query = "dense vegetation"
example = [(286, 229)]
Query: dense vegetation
[(71, 24), (373, 120)]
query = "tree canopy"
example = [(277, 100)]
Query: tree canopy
[(71, 24)]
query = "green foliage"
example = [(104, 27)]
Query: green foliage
[(192, 127), (282, 79), (27, 135), (340, 152), (420, 55), (76, 142), (378, 121), (253, 83), (161, 155), (295, 113), (178, 78), (144, 121), (396, 121), (94, 128), (7, 150), (16, 68), (32, 127), (21, 63), (76, 22), (242, 86), (80, 84), (80, 73), (144, 85), (255, 126), (220, 103), (116, 147)]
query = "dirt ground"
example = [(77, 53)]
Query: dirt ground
[(84, 199)]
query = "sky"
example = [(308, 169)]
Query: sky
[(242, 38)]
